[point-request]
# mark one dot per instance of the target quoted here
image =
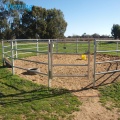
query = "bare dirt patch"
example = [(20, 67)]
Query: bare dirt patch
[(79, 86), (92, 109), (71, 83)]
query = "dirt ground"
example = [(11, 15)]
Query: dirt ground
[(79, 86)]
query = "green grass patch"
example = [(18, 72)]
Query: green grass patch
[(103, 46), (110, 95), (71, 48), (22, 99)]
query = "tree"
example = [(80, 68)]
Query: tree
[(40, 24), (3, 20), (49, 24), (23, 23), (56, 25), (3, 27), (9, 18), (95, 35), (33, 22), (115, 31)]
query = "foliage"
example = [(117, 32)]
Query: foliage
[(115, 31), (95, 35), (56, 25), (8, 18), (33, 22), (27, 24)]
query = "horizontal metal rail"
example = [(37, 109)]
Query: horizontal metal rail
[(107, 40), (108, 51), (32, 40), (6, 52), (72, 41), (107, 72), (26, 48), (70, 53), (70, 65), (31, 61), (23, 53), (31, 70), (55, 75), (73, 51), (30, 51), (107, 62), (18, 44), (7, 46)]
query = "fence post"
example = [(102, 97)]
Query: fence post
[(3, 53), (94, 72), (37, 45), (12, 56), (56, 45), (49, 64), (76, 45), (88, 59), (16, 54), (51, 57), (117, 47)]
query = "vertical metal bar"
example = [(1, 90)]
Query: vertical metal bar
[(3, 53), (117, 47), (97, 47), (94, 75), (88, 59), (76, 45), (12, 56), (49, 64), (57, 46), (37, 46), (51, 57), (16, 54)]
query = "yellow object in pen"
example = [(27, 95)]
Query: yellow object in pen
[(83, 57)]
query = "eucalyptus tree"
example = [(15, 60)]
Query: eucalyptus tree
[(10, 17), (24, 23), (115, 31), (56, 24), (3, 19), (33, 22)]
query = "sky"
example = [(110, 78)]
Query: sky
[(85, 16)]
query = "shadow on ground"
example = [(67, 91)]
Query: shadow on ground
[(42, 92)]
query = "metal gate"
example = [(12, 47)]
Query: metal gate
[(115, 48), (76, 51), (53, 46)]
